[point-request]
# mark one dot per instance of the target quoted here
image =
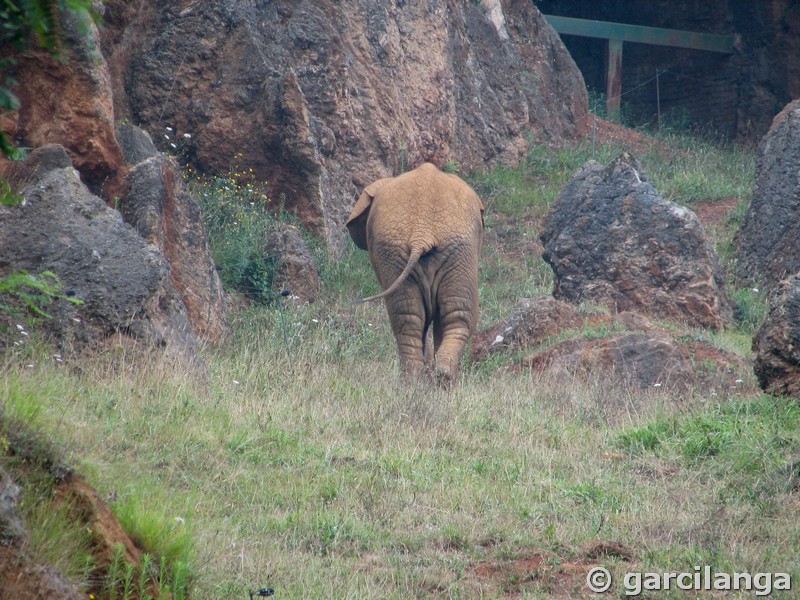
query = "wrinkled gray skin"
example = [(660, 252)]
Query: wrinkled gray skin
[(423, 231)]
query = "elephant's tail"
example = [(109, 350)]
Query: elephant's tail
[(413, 259)]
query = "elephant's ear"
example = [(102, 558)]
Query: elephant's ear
[(357, 222), (480, 204)]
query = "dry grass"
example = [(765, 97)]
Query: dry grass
[(324, 476)]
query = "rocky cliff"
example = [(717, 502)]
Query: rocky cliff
[(320, 98)]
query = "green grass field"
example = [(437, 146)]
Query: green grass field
[(301, 462)]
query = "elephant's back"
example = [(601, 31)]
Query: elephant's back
[(428, 203)]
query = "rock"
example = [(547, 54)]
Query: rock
[(644, 360), (625, 348), (321, 98), (68, 102), (23, 578), (295, 269), (155, 202), (135, 143), (776, 344), (768, 243), (610, 238), (11, 526), (37, 164), (647, 358), (532, 321), (122, 281)]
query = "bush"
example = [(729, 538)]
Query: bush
[(238, 226)]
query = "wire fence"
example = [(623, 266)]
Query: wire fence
[(596, 108)]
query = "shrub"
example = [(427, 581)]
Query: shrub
[(238, 225)]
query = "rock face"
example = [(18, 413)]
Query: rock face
[(610, 238), (321, 98), (69, 103), (777, 342), (768, 247), (122, 280), (155, 202)]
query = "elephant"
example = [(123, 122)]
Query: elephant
[(424, 231)]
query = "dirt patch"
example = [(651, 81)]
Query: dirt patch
[(560, 579), (607, 132), (95, 514), (512, 577), (712, 213)]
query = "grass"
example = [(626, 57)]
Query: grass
[(299, 461)]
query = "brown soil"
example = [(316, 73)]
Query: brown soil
[(713, 213), (560, 579), (606, 132)]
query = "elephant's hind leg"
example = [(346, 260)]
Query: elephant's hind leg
[(410, 327), (454, 322), (450, 335)]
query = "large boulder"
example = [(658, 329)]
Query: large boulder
[(122, 280), (67, 101), (768, 247), (611, 238), (154, 200), (322, 97), (776, 344)]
